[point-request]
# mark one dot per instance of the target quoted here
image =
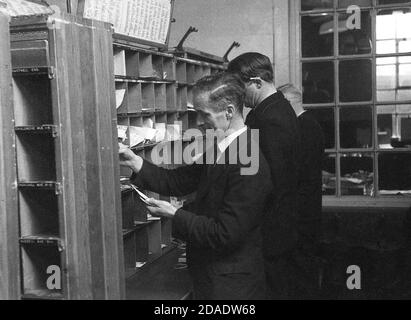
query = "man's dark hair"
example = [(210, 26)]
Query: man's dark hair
[(222, 89), (251, 65)]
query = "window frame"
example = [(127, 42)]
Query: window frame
[(296, 61)]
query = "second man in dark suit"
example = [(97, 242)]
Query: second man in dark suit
[(273, 115)]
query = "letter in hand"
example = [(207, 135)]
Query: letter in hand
[(160, 208), (129, 159)]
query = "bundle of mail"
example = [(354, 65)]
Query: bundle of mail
[(138, 136)]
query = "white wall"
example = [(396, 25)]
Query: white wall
[(220, 22)]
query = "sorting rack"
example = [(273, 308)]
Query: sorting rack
[(67, 166), (158, 92)]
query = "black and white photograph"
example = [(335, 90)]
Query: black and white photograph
[(205, 155)]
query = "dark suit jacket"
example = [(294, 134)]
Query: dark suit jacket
[(310, 180), (280, 143), (223, 232)]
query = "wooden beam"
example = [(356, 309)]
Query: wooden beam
[(9, 231), (281, 42)]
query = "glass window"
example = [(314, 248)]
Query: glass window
[(351, 40), (325, 117), (318, 83), (329, 175), (394, 126), (365, 104), (393, 78), (356, 127), (357, 177), (316, 4), (317, 35), (393, 31), (355, 79), (394, 173)]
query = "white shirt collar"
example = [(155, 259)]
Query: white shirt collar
[(223, 144), (301, 113)]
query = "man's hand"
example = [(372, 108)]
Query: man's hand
[(129, 159), (161, 208)]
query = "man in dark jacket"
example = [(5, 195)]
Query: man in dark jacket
[(223, 232), (273, 115), (309, 199)]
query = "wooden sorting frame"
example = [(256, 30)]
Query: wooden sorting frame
[(68, 205)]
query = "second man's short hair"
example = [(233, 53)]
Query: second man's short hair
[(251, 65)]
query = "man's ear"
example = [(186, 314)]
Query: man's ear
[(257, 81), (230, 111)]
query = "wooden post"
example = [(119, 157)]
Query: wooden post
[(9, 247), (281, 42)]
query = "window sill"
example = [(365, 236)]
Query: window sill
[(381, 203)]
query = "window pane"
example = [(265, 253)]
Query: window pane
[(386, 46), (316, 4), (354, 41), (405, 75), (404, 46), (394, 126), (317, 35), (329, 181), (356, 127), (325, 117), (318, 83), (357, 176), (394, 173), (386, 78), (394, 79), (360, 3), (393, 26), (355, 80)]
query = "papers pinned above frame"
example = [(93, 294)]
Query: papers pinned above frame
[(146, 20), (22, 8)]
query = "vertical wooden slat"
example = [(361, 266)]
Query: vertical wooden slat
[(80, 221), (118, 245), (89, 93), (64, 158), (109, 188), (9, 247)]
